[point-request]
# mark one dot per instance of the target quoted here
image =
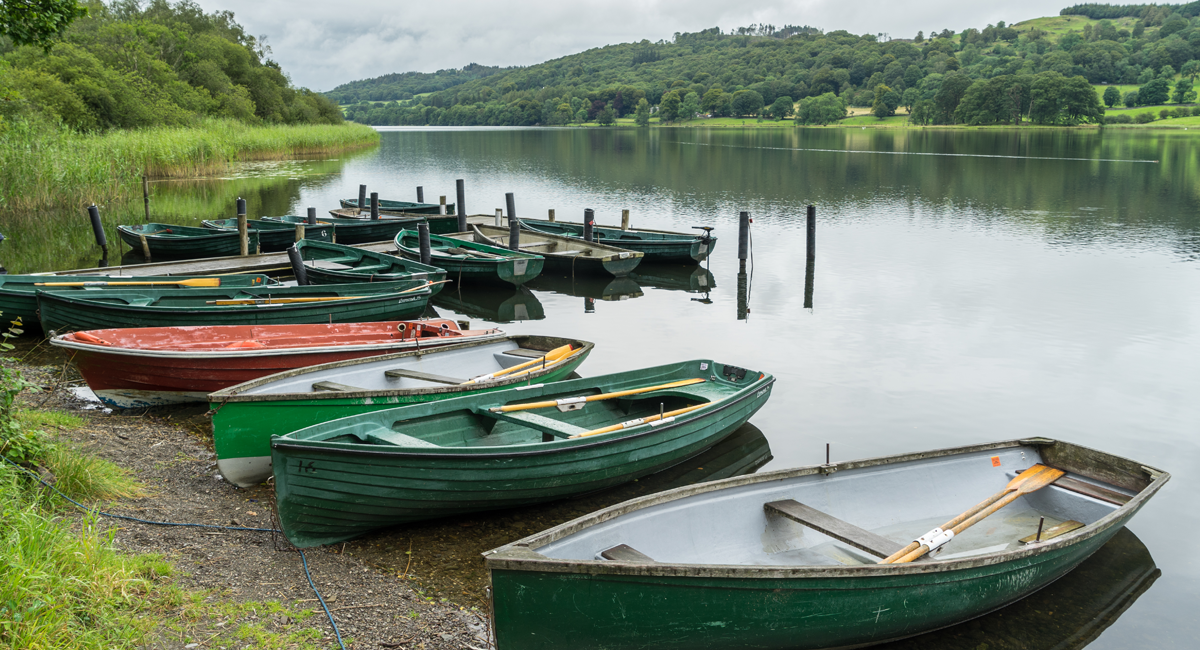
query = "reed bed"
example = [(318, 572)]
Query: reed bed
[(47, 167)]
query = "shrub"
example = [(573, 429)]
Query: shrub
[(1144, 118), (1166, 113)]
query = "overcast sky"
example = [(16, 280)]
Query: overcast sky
[(323, 44)]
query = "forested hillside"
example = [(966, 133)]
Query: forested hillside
[(1010, 74), (405, 85), (132, 64)]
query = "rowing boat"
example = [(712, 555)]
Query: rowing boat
[(791, 559), (18, 293), (519, 446), (400, 207), (337, 264), (439, 224), (359, 231), (152, 366), (64, 311), (273, 236), (563, 255), (467, 260), (657, 245), (172, 241), (247, 415)]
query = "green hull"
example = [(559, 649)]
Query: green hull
[(272, 235), (18, 293), (505, 266), (358, 231), (564, 255), (581, 610), (338, 264), (66, 311), (439, 224), (332, 490), (244, 424), (400, 206), (167, 241), (656, 245)]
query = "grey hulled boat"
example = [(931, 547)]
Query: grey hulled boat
[(564, 255)]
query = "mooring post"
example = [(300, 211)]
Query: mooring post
[(423, 240), (514, 233), (810, 263), (420, 194), (145, 247), (243, 229), (589, 305), (441, 205), (743, 239), (375, 206), (499, 217), (98, 229), (297, 264), (146, 196), (624, 219), (589, 220), (312, 216), (362, 199), (460, 208), (511, 204), (743, 297), (551, 215)]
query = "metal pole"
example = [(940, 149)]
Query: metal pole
[(460, 208), (243, 230)]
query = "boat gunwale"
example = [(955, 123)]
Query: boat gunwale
[(522, 556), (614, 253), (228, 395), (748, 392), (509, 256), (363, 254), (683, 236), (209, 234)]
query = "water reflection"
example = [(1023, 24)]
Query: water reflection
[(496, 304), (595, 287), (675, 277), (1067, 615), (446, 553)]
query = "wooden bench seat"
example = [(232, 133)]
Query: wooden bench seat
[(399, 439), (333, 386), (626, 553), (832, 526), (537, 423), (525, 352), (401, 373)]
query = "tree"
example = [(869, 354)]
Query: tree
[(1154, 92), (1184, 94), (1080, 102), (920, 37), (1112, 96), (711, 99), (746, 102), (668, 108), (910, 97), (822, 109), (37, 22), (642, 116), (954, 86), (1131, 99), (922, 112), (886, 102), (690, 106), (607, 117), (782, 108), (1191, 70)]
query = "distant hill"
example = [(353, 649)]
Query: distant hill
[(406, 85)]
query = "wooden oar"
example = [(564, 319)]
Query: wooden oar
[(547, 364), (669, 415), (278, 301), (551, 356), (1036, 480), (593, 398), (195, 282), (1012, 485), (425, 286)]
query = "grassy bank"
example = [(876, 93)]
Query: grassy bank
[(46, 167)]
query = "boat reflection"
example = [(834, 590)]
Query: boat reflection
[(594, 287), (446, 553), (495, 304), (1067, 615), (675, 277)]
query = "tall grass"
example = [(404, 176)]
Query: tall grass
[(47, 167)]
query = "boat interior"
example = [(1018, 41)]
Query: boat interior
[(227, 337), (166, 230), (539, 243), (605, 233), (460, 245), (848, 517), (358, 262), (210, 296)]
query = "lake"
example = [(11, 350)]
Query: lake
[(969, 286)]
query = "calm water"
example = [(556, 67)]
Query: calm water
[(969, 286)]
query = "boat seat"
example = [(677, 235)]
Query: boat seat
[(570, 252), (832, 526), (371, 267), (535, 244), (525, 352), (399, 439), (334, 387), (626, 553), (400, 373), (537, 423)]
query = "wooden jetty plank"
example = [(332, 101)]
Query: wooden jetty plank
[(211, 265), (836, 528)]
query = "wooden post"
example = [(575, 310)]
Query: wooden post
[(460, 208), (589, 220), (420, 194), (812, 231), (624, 219), (499, 217), (98, 230), (243, 230), (297, 263), (362, 199), (514, 233), (312, 216), (146, 196), (374, 205), (511, 204), (812, 256), (299, 231), (743, 305), (551, 215), (145, 247), (743, 239), (423, 241), (441, 205)]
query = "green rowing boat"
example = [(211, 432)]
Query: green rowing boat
[(400, 207), (273, 236), (791, 559), (247, 415), (18, 293), (439, 224), (467, 260), (337, 264), (569, 256), (64, 311), (183, 242), (359, 231), (656, 245), (508, 448)]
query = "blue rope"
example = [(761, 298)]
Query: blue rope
[(303, 558)]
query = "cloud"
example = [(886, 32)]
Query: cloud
[(323, 44)]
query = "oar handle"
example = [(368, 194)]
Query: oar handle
[(596, 398), (640, 421)]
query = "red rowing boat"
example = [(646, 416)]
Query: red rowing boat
[(151, 366)]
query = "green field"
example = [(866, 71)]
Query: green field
[(1058, 26)]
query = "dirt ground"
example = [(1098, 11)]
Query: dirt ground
[(170, 452)]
